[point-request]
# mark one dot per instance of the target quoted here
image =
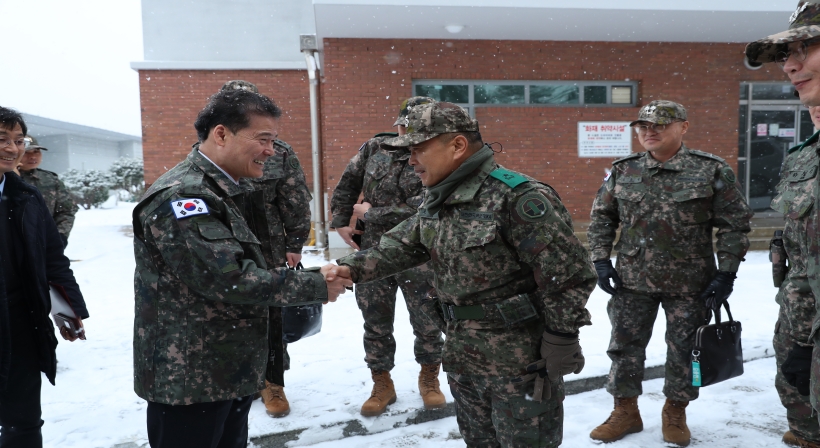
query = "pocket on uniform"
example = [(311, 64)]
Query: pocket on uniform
[(630, 194), (627, 249), (378, 166), (478, 234), (688, 194)]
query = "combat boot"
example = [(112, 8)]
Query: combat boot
[(429, 387), (673, 423), (789, 438), (624, 419), (276, 404), (383, 394)]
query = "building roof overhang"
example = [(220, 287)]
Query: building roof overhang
[(580, 20)]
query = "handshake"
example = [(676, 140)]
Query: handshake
[(338, 279)]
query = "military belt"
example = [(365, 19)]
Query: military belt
[(454, 312), (509, 311)]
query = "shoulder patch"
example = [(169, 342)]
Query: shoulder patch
[(608, 175), (185, 208), (508, 177), (707, 155), (634, 155), (728, 175), (293, 161), (532, 207), (386, 134), (282, 144)]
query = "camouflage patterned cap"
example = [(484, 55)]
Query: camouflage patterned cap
[(430, 120), (238, 84), (408, 104), (804, 24), (31, 143), (661, 112)]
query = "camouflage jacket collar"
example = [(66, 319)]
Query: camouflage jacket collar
[(676, 163), (208, 168), (33, 174), (467, 190), (809, 141)]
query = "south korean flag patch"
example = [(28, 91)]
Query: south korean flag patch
[(185, 208)]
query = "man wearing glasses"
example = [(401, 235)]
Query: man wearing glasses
[(58, 199), (667, 200), (795, 51), (31, 257)]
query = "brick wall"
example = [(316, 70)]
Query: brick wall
[(365, 80), (171, 99)]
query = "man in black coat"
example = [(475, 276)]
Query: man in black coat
[(31, 257)]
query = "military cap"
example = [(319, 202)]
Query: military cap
[(408, 104), (430, 120), (31, 143), (238, 84), (661, 112), (804, 24)]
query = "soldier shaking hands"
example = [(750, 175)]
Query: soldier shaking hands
[(202, 286)]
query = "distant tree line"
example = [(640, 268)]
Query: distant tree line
[(93, 187)]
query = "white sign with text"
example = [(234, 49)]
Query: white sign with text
[(604, 139)]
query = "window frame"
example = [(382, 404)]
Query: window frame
[(471, 105)]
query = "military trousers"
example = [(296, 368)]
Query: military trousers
[(495, 412), (377, 301), (798, 407), (632, 315)]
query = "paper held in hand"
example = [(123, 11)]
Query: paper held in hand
[(62, 314)]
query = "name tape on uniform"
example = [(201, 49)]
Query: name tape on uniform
[(185, 208)]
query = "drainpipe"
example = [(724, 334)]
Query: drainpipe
[(309, 47)]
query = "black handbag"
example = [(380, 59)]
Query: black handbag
[(717, 355), (299, 322)]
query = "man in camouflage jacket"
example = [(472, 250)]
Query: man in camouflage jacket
[(512, 280), (202, 286), (666, 201), (391, 192), (58, 199), (792, 345), (795, 50), (279, 207)]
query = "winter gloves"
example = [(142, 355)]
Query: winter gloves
[(605, 272), (719, 290), (797, 368)]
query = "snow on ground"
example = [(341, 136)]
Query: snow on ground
[(94, 405)]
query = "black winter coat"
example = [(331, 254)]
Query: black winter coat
[(43, 262)]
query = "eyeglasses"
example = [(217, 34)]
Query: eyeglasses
[(21, 143), (800, 52), (641, 129)]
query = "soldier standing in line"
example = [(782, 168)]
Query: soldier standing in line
[(201, 284), (391, 194), (667, 200), (512, 280), (792, 346), (796, 52), (280, 209), (54, 191)]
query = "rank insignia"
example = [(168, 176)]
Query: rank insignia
[(185, 208)]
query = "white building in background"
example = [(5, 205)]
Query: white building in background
[(74, 146)]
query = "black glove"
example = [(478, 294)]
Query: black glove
[(605, 272), (719, 290), (797, 368)]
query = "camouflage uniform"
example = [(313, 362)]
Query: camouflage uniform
[(280, 218), (667, 212), (795, 199), (389, 184), (507, 266), (58, 199), (202, 289)]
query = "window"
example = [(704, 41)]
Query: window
[(471, 94)]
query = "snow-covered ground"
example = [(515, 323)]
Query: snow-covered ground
[(93, 404)]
